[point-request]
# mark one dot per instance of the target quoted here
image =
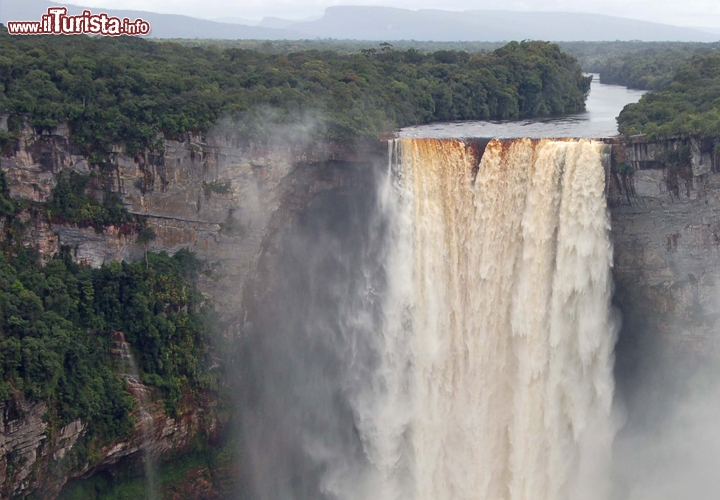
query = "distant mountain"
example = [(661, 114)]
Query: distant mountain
[(162, 25), (235, 20), (571, 26), (276, 22), (280, 23), (714, 31), (387, 23)]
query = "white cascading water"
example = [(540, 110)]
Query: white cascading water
[(495, 379), (132, 376)]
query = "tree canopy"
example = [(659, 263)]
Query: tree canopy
[(130, 91), (688, 106), (650, 67), (57, 323)]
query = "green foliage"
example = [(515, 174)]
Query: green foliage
[(688, 106), (56, 325), (105, 486), (146, 235), (162, 316), (232, 226), (7, 206), (215, 466), (635, 64), (651, 68), (7, 139), (625, 169), (72, 201), (129, 90), (216, 187), (339, 46), (676, 158), (46, 349)]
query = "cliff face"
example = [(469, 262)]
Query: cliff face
[(230, 202), (213, 195), (217, 196), (36, 459), (666, 233)]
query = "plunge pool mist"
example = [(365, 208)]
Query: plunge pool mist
[(442, 328)]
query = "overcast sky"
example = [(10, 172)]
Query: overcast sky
[(686, 13)]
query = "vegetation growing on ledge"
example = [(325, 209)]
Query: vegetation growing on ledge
[(72, 202), (128, 90), (216, 187), (688, 106), (57, 321), (201, 472)]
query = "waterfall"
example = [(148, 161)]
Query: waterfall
[(495, 373), (132, 376), (444, 337)]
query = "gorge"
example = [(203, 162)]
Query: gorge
[(345, 249)]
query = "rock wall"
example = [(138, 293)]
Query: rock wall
[(21, 442), (34, 459), (38, 459), (666, 234), (228, 201), (216, 195), (212, 194)]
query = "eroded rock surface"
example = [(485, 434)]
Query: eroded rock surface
[(215, 195), (666, 232)]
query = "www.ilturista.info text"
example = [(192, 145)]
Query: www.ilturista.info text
[(57, 22)]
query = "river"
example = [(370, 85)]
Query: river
[(603, 105)]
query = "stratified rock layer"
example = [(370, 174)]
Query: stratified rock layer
[(215, 195), (228, 200), (666, 232)]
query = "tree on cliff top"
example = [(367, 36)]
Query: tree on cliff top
[(688, 106), (129, 91)]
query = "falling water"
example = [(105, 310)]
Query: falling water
[(509, 334), (132, 376), (447, 337)]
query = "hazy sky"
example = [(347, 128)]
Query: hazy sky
[(687, 13)]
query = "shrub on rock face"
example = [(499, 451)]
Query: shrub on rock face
[(73, 201)]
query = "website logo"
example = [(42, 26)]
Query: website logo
[(57, 22)]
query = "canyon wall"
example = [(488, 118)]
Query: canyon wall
[(37, 459), (666, 232), (212, 194), (666, 236), (216, 195), (229, 201)]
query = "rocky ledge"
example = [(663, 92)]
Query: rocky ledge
[(34, 458)]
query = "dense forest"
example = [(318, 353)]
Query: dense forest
[(128, 90), (689, 105), (57, 322), (340, 46), (634, 64), (650, 67)]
